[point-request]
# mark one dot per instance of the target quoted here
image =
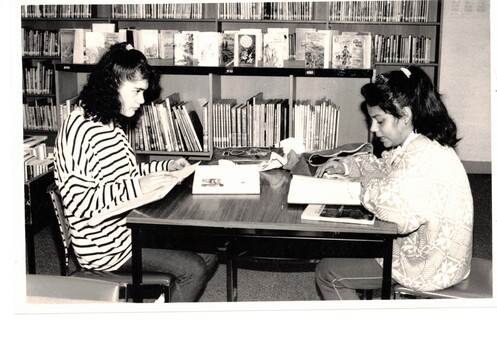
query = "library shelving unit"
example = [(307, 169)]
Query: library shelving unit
[(293, 82)]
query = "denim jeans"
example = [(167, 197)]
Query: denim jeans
[(191, 270), (339, 278)]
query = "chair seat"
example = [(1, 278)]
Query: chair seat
[(477, 285), (162, 279), (75, 288)]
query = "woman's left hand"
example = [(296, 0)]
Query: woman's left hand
[(177, 164)]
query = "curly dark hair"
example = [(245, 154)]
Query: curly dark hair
[(394, 90), (100, 97)]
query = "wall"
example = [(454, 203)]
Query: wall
[(465, 77)]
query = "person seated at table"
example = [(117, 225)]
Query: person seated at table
[(96, 168), (419, 183)]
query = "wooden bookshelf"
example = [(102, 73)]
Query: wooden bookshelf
[(292, 82)]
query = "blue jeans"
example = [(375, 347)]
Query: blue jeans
[(339, 278), (191, 270)]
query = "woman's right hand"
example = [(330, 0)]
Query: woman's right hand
[(155, 180), (331, 166)]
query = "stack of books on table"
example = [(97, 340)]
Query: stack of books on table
[(334, 199)]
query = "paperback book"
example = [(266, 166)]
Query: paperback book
[(274, 50), (183, 49), (166, 43), (351, 51), (352, 214), (175, 177), (228, 49), (209, 45), (245, 50), (317, 50), (148, 42)]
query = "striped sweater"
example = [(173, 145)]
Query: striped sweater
[(96, 169)]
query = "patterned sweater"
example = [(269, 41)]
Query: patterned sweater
[(424, 189), (95, 168)]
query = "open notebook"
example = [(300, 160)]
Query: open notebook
[(146, 198)]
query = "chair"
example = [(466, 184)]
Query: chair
[(152, 282), (477, 285), (50, 288)]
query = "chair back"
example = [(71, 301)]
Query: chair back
[(58, 206)]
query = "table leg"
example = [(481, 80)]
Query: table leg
[(136, 259), (387, 269), (231, 275)]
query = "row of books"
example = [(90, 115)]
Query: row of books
[(379, 11), (36, 160), (43, 114), (38, 80), (158, 11), (40, 42), (40, 116), (57, 11), (169, 124), (340, 10), (256, 122), (285, 11), (402, 49), (316, 124)]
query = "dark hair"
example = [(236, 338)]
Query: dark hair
[(100, 96), (412, 87)]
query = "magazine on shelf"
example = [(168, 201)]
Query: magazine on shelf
[(352, 214), (333, 190), (176, 177), (227, 179)]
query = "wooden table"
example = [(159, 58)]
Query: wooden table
[(244, 218)]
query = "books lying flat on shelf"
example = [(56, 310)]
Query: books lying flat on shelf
[(245, 155), (176, 177), (352, 214), (314, 190), (227, 179)]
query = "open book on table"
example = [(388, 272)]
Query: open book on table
[(353, 214), (177, 176), (313, 190), (227, 179)]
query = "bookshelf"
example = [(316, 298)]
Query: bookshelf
[(293, 82)]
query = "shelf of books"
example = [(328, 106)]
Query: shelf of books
[(307, 59)]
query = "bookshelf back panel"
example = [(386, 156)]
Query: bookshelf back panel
[(244, 87), (194, 88)]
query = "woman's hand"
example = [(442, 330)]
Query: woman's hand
[(177, 164), (331, 166), (153, 181)]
